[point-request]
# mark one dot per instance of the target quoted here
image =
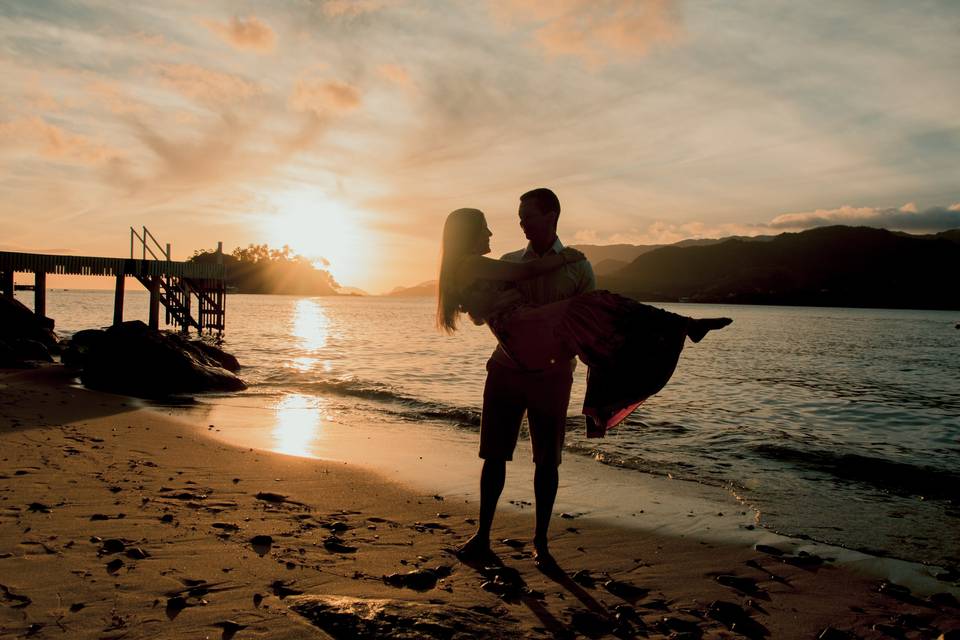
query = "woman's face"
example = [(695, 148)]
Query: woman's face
[(483, 239)]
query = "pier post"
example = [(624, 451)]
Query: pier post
[(185, 327), (118, 299), (154, 302), (40, 293), (6, 284)]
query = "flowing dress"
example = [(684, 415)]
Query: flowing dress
[(631, 348)]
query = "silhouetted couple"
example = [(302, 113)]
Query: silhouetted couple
[(542, 306)]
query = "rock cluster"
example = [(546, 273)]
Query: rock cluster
[(133, 359)]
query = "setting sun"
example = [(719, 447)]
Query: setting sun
[(321, 229)]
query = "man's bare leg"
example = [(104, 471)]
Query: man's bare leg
[(546, 479), (492, 479)]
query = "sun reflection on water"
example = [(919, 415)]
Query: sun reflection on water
[(311, 328), (298, 424)]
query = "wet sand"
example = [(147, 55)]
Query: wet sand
[(119, 522)]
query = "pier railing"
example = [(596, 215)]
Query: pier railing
[(170, 283)]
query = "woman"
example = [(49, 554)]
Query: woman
[(631, 348)]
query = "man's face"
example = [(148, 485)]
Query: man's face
[(538, 226)]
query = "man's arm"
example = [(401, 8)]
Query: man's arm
[(586, 281)]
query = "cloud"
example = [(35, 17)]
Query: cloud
[(114, 98), (597, 31), (54, 143), (248, 33), (336, 8), (905, 218), (396, 74), (205, 85), (324, 97)]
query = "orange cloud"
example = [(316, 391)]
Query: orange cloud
[(396, 74), (114, 98), (324, 97), (205, 85), (249, 33), (53, 142), (598, 31)]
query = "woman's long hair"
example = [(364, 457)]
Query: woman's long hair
[(460, 233)]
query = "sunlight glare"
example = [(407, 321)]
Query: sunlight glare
[(310, 325), (320, 228), (298, 424)]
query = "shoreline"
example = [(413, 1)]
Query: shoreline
[(75, 460), (432, 458)]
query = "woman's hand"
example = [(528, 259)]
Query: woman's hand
[(572, 255)]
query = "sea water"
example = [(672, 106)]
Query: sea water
[(838, 425)]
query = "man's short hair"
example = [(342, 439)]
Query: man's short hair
[(545, 199)]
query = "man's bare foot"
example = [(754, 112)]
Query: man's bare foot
[(543, 559), (698, 328), (477, 550)]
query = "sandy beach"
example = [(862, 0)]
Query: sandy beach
[(120, 522)]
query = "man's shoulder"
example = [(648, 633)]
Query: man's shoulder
[(514, 256)]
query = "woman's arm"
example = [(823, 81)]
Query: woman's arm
[(481, 268)]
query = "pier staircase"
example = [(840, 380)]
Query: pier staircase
[(177, 291)]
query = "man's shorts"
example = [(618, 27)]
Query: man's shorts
[(509, 393)]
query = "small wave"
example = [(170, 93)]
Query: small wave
[(399, 404), (901, 478)]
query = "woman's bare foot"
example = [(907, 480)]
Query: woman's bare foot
[(477, 550), (699, 327)]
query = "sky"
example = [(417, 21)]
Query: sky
[(348, 129)]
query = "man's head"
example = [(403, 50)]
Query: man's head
[(539, 212)]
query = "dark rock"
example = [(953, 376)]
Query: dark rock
[(112, 545), (736, 619), (765, 548), (175, 605), (133, 359), (344, 617), (114, 565), (24, 336), (590, 624), (20, 353), (745, 585), (584, 578), (333, 544), (230, 628), (944, 599), (137, 553), (282, 589), (218, 355), (625, 590), (38, 507), (261, 544), (418, 580)]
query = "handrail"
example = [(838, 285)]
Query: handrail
[(146, 247)]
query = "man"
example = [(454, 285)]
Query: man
[(543, 395)]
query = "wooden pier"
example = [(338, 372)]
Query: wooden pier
[(172, 284)]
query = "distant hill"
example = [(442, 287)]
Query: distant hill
[(428, 288), (351, 291), (828, 266), (610, 257)]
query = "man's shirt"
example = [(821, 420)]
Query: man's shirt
[(567, 281)]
